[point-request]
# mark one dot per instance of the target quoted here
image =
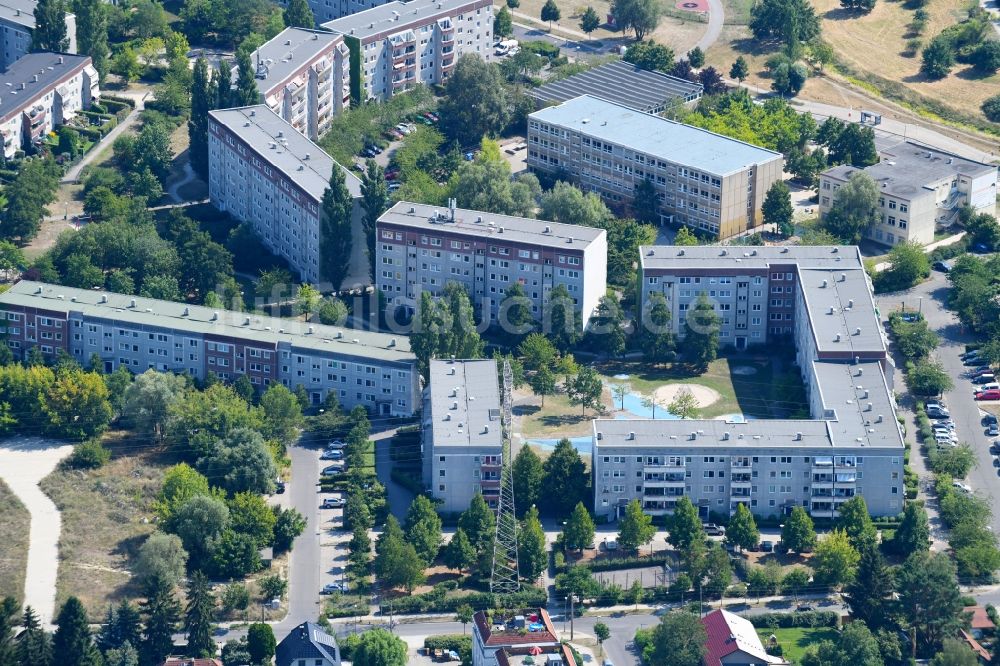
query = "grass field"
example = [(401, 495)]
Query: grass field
[(14, 524), (557, 418), (106, 514), (795, 640)]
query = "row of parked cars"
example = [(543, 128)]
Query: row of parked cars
[(334, 452), (942, 426), (981, 374)]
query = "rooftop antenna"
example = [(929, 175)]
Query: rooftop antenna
[(506, 578)]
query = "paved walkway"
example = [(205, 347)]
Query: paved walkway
[(24, 462), (73, 175), (716, 19)]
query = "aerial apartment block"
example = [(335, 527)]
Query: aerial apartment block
[(705, 181), (851, 444), (375, 370), (17, 25), (397, 45), (423, 248), (265, 173), (461, 435), (304, 77), (40, 92), (920, 190)]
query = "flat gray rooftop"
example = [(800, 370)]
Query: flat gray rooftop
[(850, 425), (841, 310), (501, 227), (908, 168), (621, 82), (49, 71), (207, 321), (679, 143), (465, 403), (401, 15), (670, 257), (20, 12), (287, 53), (284, 148)]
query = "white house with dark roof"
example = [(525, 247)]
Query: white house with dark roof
[(307, 645)]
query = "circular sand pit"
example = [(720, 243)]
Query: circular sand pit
[(703, 395), (743, 370), (693, 5)]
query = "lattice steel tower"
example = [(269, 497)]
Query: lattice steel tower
[(506, 578)]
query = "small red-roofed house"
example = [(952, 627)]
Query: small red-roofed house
[(733, 641)]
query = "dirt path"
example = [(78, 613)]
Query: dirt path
[(24, 462)]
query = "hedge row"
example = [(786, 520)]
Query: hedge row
[(796, 619), (617, 563), (406, 480), (435, 601), (127, 101), (448, 642)]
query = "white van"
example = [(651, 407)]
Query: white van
[(505, 47)]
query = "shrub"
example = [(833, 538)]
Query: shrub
[(89, 455), (991, 109), (447, 642), (785, 620)]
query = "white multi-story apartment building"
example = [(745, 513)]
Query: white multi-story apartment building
[(374, 370), (706, 181), (851, 445), (266, 174), (40, 92), (397, 45), (423, 248), (462, 439), (920, 189), (304, 77), (17, 23)]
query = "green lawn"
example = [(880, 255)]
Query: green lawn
[(14, 523), (795, 640)]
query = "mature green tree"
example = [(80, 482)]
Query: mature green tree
[(282, 414), (565, 481), (92, 33), (250, 514), (298, 14), (590, 21), (790, 22), (855, 645), (854, 208), (640, 16), (914, 533), (857, 523), (32, 190), (161, 557), (180, 483), (428, 332), (126, 655), (928, 378), (635, 528), (515, 317), (543, 383), (684, 527), (397, 563), (568, 204), (532, 555), (937, 58), (241, 462), (148, 400), (359, 553), (954, 652), (201, 104), (462, 340), (930, 600), (198, 616), (718, 571), (261, 643), (374, 202), (701, 333), (423, 528), (72, 644), (742, 530), (559, 319), (459, 553), (527, 469), (908, 265), (586, 389), (798, 533), (475, 103), (577, 580), (503, 23), (852, 144), (991, 108), (288, 525), (678, 640), (605, 332), (684, 405), (479, 523), (740, 69), (122, 626), (50, 33), (485, 184), (696, 57), (550, 12), (223, 85), (34, 645), (236, 653), (245, 92), (378, 647), (335, 232), (655, 335), (579, 530), (537, 352), (870, 594), (777, 208), (646, 202), (161, 612), (914, 340), (9, 611)]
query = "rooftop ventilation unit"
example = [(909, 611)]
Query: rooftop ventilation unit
[(131, 303), (187, 311), (104, 297), (837, 338), (857, 331), (631, 436), (798, 437)]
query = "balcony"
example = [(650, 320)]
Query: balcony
[(663, 483), (659, 508), (740, 463)]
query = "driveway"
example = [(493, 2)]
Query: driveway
[(24, 462)]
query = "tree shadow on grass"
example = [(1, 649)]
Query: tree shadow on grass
[(841, 14), (972, 74), (557, 421), (755, 47), (525, 410)]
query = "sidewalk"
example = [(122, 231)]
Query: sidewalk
[(73, 175)]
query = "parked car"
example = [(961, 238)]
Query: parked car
[(988, 419), (395, 185), (943, 266), (335, 444), (332, 454), (979, 370), (988, 395), (711, 529), (995, 447), (992, 386), (939, 413), (333, 502), (767, 546), (911, 316), (964, 487), (391, 174), (993, 430), (610, 544), (985, 378), (972, 361), (805, 608), (981, 248), (934, 404), (330, 588), (279, 487), (333, 470)]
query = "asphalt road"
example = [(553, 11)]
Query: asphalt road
[(929, 298)]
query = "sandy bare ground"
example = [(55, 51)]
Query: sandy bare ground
[(24, 462), (703, 395)]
